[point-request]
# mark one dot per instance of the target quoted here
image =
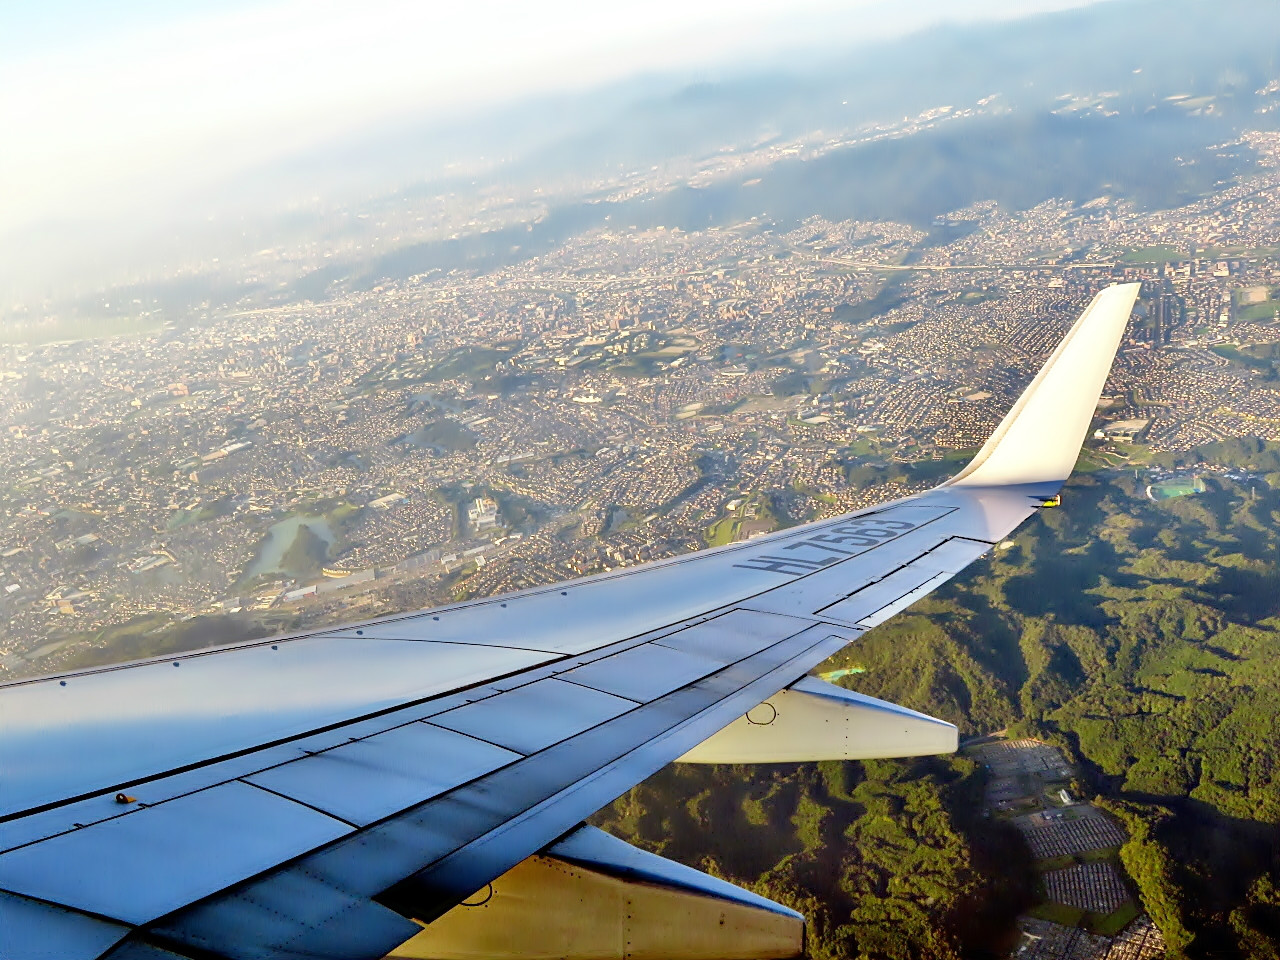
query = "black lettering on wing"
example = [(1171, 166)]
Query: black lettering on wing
[(791, 566)]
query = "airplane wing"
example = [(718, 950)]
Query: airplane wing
[(346, 793)]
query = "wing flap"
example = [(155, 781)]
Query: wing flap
[(30, 930), (734, 635), (532, 717), (643, 673), (371, 779), (294, 915)]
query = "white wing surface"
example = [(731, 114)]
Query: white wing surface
[(326, 795)]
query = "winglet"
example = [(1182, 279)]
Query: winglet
[(1039, 440)]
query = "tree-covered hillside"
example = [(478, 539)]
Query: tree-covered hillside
[(1144, 637)]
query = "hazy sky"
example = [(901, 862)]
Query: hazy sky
[(104, 103)]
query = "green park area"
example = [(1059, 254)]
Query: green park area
[(744, 517), (1263, 357), (473, 362), (1257, 303), (1157, 255)]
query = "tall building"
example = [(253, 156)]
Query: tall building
[(482, 514)]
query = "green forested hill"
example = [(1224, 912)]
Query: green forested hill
[(1143, 637), (886, 858)]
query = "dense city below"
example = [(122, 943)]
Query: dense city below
[(631, 395)]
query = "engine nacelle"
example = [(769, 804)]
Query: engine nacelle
[(816, 720), (592, 896)]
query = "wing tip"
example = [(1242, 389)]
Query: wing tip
[(1039, 440)]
